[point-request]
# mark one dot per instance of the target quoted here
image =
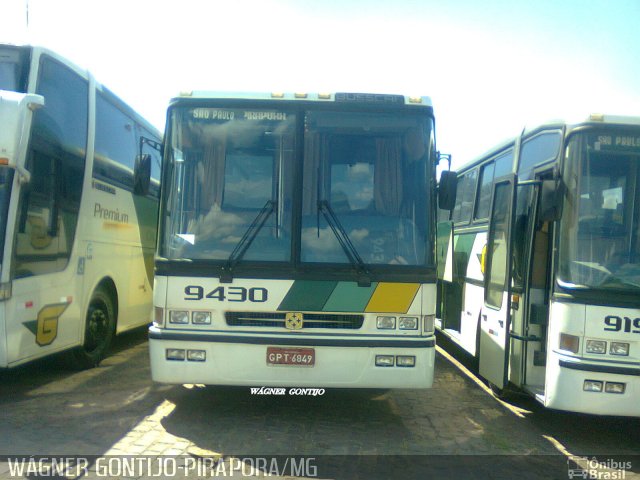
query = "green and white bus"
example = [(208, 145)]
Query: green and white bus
[(545, 284), (79, 187), (296, 241)]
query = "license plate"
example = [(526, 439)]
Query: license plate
[(305, 357)]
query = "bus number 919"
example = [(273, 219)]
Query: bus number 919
[(616, 324), (230, 294)]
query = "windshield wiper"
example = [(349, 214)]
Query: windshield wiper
[(226, 272), (364, 277)]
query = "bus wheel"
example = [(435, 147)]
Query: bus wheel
[(99, 330)]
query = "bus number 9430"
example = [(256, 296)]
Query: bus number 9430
[(230, 294)]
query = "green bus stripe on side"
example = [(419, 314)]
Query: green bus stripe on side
[(349, 297), (307, 296)]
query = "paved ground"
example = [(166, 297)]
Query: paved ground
[(455, 429)]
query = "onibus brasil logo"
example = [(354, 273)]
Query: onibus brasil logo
[(592, 468)]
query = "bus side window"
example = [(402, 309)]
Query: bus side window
[(116, 147), (537, 150), (51, 201), (488, 174), (464, 197)]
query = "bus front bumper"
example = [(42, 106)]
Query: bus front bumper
[(582, 385), (225, 358)]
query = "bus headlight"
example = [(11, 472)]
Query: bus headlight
[(614, 387), (619, 348), (592, 386), (570, 343), (596, 346), (179, 316), (384, 360), (408, 323), (406, 361), (196, 355), (201, 318), (175, 354), (386, 323)]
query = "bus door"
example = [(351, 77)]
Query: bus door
[(495, 316), (445, 271), (528, 297), (531, 277)]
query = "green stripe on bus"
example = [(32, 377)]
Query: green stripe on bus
[(147, 214), (349, 297), (307, 295)]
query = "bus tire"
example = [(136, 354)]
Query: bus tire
[(100, 327)]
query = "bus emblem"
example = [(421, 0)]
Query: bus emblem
[(293, 321)]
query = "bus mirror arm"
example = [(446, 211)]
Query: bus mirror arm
[(24, 175), (443, 156)]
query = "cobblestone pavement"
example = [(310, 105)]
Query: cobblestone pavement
[(456, 429)]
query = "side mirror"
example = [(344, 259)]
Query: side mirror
[(447, 190), (551, 195), (142, 174)]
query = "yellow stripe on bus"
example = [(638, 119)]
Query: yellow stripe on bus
[(116, 226), (392, 297)]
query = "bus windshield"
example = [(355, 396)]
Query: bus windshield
[(352, 190), (225, 166), (371, 169), (600, 228)]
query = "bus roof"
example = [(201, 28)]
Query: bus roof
[(593, 120), (338, 97), (38, 50)]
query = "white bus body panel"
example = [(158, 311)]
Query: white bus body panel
[(245, 364), (567, 372), (232, 361), (472, 299)]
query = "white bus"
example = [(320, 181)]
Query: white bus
[(545, 289), (296, 241), (79, 187)]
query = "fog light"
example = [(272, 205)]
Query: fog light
[(408, 323), (596, 346), (429, 323), (386, 323), (570, 343), (196, 355), (405, 361), (175, 354), (592, 386), (384, 360), (158, 316), (614, 387), (179, 316), (619, 348), (201, 318)]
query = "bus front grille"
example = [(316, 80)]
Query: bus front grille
[(277, 319)]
